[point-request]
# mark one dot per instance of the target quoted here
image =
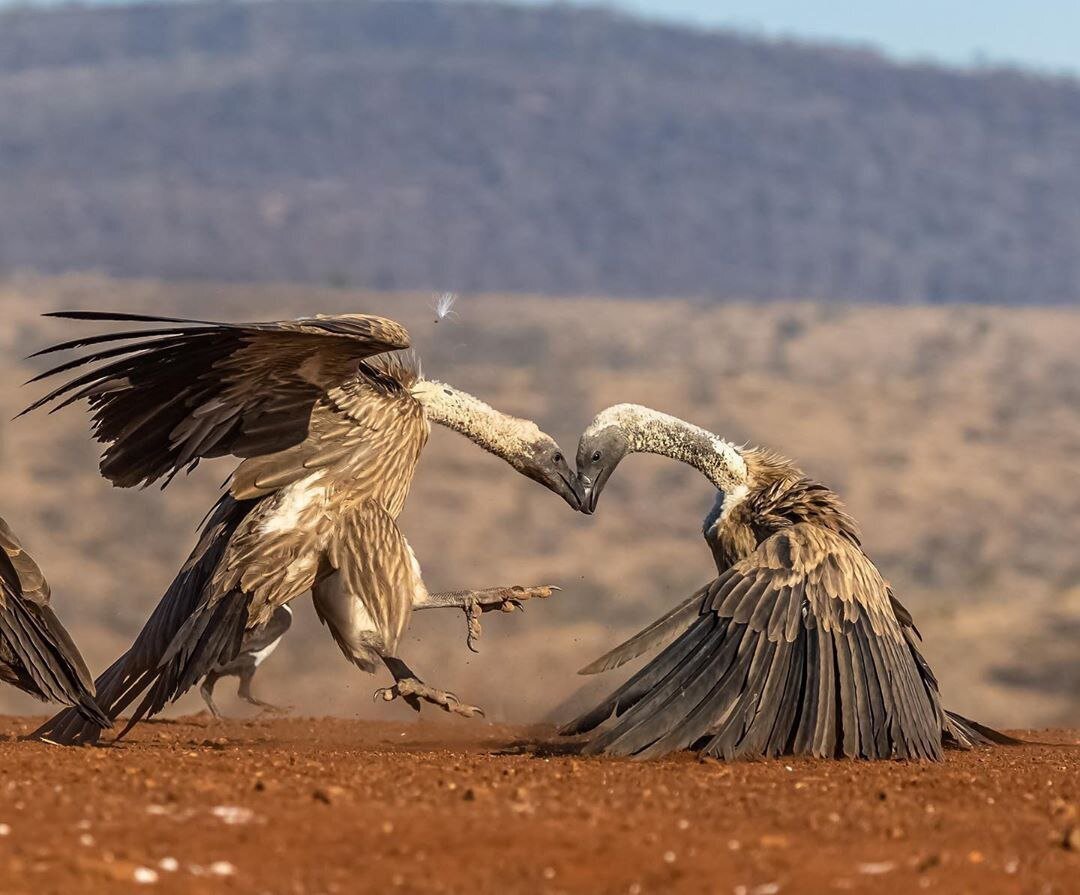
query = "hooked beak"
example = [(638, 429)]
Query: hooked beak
[(568, 488), (589, 495), (580, 494)]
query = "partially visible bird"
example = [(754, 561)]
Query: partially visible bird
[(798, 646), (329, 427), (258, 644), (37, 654)]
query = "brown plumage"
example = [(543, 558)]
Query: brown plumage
[(798, 646), (37, 654), (330, 436)]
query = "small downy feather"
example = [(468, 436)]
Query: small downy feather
[(443, 305)]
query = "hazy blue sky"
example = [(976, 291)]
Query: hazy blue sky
[(1038, 33), (1043, 33)]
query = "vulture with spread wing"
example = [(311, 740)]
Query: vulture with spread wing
[(329, 427), (798, 646), (37, 654)]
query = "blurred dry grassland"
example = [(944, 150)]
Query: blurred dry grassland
[(952, 433)]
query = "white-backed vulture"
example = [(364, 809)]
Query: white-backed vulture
[(798, 646), (329, 428), (258, 645), (37, 654)]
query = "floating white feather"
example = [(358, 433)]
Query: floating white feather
[(444, 306)]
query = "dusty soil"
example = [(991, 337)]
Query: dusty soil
[(330, 805)]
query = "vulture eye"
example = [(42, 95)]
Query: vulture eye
[(558, 458), (596, 457)]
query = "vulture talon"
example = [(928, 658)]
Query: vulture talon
[(413, 691), (496, 599), (473, 611)]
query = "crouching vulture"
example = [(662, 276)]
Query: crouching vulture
[(798, 646), (329, 427)]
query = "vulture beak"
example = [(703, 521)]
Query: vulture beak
[(580, 494), (589, 495)]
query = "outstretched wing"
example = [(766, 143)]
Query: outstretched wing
[(163, 398), (660, 632), (38, 653), (795, 648)]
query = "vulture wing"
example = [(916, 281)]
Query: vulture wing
[(658, 633), (796, 648), (38, 653), (182, 640), (163, 398)]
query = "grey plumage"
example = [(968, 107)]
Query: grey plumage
[(798, 646)]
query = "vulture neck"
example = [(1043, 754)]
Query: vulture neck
[(498, 433), (652, 432)]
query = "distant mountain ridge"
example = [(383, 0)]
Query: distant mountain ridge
[(411, 144)]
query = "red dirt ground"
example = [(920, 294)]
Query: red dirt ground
[(337, 806)]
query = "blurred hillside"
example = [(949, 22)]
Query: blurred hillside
[(427, 145), (952, 433)]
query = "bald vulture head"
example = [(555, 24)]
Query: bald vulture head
[(631, 428), (541, 459)]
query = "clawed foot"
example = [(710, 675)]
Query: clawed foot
[(269, 708), (500, 599), (413, 691)]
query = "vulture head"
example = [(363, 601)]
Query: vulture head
[(599, 451), (543, 461)]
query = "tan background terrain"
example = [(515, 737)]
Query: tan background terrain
[(953, 434)]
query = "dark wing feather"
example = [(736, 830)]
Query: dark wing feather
[(665, 627), (163, 399), (674, 656), (36, 652), (803, 653), (190, 634)]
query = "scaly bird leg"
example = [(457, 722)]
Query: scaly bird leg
[(409, 687), (244, 692), (491, 599), (207, 691)]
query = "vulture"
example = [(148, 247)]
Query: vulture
[(256, 648), (798, 646), (328, 419), (37, 654)]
